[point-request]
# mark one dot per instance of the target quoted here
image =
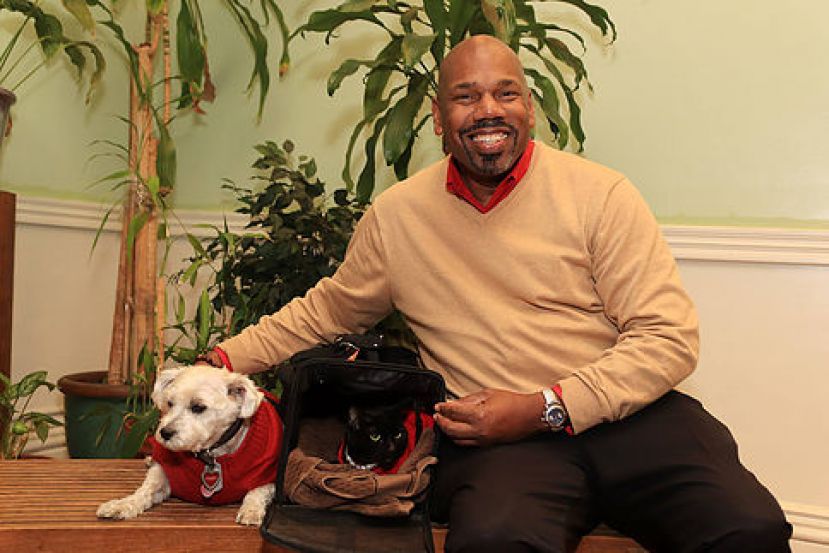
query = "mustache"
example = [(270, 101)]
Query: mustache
[(488, 124)]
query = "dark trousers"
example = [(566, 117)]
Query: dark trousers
[(668, 476)]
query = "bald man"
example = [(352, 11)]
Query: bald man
[(539, 286)]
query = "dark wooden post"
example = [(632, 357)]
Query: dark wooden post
[(7, 209)]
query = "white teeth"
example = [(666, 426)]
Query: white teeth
[(489, 138)]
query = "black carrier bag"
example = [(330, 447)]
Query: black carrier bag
[(325, 506)]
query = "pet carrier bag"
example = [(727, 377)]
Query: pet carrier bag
[(323, 505)]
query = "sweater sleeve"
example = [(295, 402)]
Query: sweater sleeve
[(638, 282), (355, 298)]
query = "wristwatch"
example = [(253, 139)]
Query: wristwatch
[(555, 415)]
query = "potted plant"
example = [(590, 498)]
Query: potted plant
[(401, 79), (17, 423), (16, 57), (147, 180), (297, 233)]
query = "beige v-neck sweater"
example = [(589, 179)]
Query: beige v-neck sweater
[(568, 280)]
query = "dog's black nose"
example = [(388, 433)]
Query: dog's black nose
[(166, 433)]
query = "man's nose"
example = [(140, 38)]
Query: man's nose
[(488, 107)]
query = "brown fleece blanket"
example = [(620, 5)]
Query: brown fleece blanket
[(314, 480)]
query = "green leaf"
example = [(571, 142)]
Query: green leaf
[(347, 68), (259, 44), (31, 382), (352, 6), (135, 225), (378, 78), (501, 15), (80, 10), (414, 46), (204, 316), (165, 163), (154, 6), (598, 16), (50, 32), (196, 244), (436, 12), (327, 21), (365, 183), (550, 105), (460, 14), (563, 54), (398, 131), (189, 46)]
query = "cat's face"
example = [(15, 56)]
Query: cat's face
[(376, 435)]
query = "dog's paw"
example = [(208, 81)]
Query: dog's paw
[(250, 515), (119, 509)]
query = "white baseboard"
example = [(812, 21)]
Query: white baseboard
[(730, 244), (73, 214), (811, 523), (743, 244)]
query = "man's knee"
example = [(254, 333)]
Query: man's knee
[(758, 535), (500, 538)]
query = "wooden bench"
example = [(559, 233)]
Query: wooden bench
[(49, 505)]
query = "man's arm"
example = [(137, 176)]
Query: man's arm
[(636, 278), (351, 301)]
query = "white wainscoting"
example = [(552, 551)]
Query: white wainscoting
[(762, 295)]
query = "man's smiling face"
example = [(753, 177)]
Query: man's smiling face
[(483, 110)]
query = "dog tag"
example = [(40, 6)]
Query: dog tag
[(211, 480)]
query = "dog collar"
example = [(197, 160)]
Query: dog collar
[(211, 475), (350, 461)]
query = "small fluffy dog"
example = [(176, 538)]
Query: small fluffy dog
[(217, 442)]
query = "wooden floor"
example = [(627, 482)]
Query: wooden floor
[(49, 505)]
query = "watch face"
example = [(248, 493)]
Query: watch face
[(556, 416)]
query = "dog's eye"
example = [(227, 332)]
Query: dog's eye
[(197, 408), (170, 404)]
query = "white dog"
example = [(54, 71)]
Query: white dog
[(217, 442)]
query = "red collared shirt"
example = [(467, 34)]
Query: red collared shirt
[(456, 185)]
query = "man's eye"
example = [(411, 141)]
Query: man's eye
[(197, 408)]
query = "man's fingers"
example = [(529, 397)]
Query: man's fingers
[(456, 430), (458, 410)]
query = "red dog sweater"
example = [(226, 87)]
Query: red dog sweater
[(254, 464)]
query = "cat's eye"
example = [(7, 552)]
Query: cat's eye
[(398, 435), (374, 437), (197, 408)]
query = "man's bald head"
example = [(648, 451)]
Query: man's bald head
[(478, 47)]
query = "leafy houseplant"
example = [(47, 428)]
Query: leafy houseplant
[(296, 235), (402, 77), (150, 174), (17, 423), (15, 66)]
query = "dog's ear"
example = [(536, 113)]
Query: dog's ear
[(162, 380), (243, 390)]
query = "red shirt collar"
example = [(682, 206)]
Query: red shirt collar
[(456, 185)]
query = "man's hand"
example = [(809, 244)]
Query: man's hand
[(491, 416)]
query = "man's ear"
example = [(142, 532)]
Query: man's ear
[(242, 389), (437, 122), (162, 380)]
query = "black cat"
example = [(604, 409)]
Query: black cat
[(375, 436)]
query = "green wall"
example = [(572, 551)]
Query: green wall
[(717, 110)]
